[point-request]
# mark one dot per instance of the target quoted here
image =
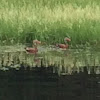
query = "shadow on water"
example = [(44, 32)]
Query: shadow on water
[(74, 75), (40, 83)]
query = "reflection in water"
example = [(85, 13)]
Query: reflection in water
[(72, 59), (53, 75)]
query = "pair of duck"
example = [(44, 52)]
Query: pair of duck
[(37, 42)]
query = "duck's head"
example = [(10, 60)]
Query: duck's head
[(36, 42), (67, 39)]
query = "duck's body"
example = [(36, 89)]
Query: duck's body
[(66, 45), (63, 46), (31, 50)]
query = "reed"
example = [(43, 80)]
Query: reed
[(49, 21)]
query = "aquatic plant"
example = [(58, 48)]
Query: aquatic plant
[(49, 21)]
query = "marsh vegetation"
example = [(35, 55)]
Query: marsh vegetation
[(50, 21)]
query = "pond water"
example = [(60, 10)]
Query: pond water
[(71, 58), (28, 85)]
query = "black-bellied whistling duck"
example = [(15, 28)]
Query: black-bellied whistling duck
[(66, 45), (63, 46), (32, 50)]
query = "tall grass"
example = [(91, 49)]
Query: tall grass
[(49, 20)]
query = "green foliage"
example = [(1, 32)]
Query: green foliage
[(50, 21)]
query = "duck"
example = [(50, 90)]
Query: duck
[(32, 50), (66, 45)]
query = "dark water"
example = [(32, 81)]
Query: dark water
[(45, 85)]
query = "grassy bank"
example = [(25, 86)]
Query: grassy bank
[(50, 21)]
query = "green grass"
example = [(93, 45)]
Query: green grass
[(49, 20)]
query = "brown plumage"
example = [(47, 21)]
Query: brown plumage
[(66, 45), (63, 46), (31, 50)]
